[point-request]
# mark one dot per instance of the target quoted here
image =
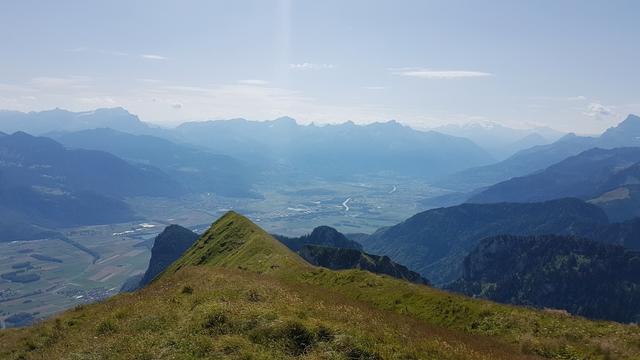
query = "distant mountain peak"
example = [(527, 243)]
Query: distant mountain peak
[(630, 121), (393, 122), (568, 136), (626, 133), (285, 120)]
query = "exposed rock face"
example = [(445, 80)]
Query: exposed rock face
[(167, 248)]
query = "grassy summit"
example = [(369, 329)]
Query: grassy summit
[(240, 294), (233, 241)]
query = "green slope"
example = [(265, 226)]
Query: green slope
[(238, 293), (234, 241)]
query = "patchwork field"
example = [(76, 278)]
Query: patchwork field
[(65, 274)]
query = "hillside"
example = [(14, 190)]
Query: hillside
[(322, 236), (584, 277), (525, 162), (342, 259), (44, 185), (612, 170), (327, 247), (197, 170), (238, 293), (40, 161), (626, 234), (435, 242)]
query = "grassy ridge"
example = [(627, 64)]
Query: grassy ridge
[(225, 313), (235, 241), (256, 299)]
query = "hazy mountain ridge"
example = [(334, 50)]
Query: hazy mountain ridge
[(501, 141), (280, 147), (336, 150), (625, 134), (584, 277), (198, 170), (56, 120), (42, 184), (587, 175)]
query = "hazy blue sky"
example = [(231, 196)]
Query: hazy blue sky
[(572, 65)]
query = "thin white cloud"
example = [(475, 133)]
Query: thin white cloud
[(253, 82), (439, 74), (374, 87), (153, 57), (598, 110), (311, 66)]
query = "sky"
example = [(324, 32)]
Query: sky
[(570, 65)]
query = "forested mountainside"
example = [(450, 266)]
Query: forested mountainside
[(583, 277)]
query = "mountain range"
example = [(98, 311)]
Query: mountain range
[(612, 181), (499, 140), (336, 151), (44, 185), (58, 120), (238, 292), (198, 170), (277, 148), (528, 161)]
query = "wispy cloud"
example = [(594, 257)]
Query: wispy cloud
[(153, 57), (253, 82), (438, 74), (598, 110), (311, 66)]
